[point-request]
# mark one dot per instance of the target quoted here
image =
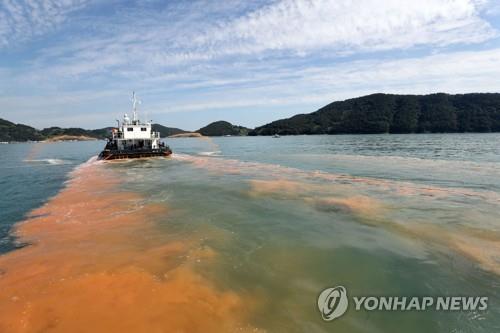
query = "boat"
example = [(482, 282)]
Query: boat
[(134, 139), (276, 136)]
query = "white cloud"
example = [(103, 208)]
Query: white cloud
[(346, 26), (161, 40), (21, 20)]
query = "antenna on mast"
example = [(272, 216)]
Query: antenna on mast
[(135, 101)]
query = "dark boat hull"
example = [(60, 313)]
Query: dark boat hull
[(120, 154)]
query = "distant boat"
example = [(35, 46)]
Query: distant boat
[(4, 143), (134, 139), (276, 136)]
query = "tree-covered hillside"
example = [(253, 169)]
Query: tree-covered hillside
[(167, 131), (18, 132), (383, 113), (101, 133), (11, 132), (221, 128)]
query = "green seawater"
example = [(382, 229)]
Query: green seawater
[(388, 215)]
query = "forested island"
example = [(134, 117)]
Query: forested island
[(223, 128), (372, 114), (167, 131), (11, 132), (386, 113)]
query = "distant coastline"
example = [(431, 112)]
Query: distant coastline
[(398, 114), (371, 114), (186, 135), (70, 138)]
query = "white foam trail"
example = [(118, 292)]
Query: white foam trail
[(182, 157), (51, 161), (210, 153), (90, 162)]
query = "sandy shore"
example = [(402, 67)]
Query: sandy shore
[(70, 138), (186, 135)]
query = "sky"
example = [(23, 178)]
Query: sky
[(75, 63)]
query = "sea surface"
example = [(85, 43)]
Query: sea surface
[(243, 233)]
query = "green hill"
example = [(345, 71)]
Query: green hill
[(221, 128), (11, 132), (75, 131), (18, 132), (167, 131), (384, 113)]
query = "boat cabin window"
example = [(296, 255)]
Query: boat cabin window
[(144, 129), (130, 129)]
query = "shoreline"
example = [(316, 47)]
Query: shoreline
[(186, 135), (193, 135), (62, 138)]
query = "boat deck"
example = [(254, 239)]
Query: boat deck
[(125, 154)]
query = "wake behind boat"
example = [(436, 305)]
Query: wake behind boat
[(134, 139)]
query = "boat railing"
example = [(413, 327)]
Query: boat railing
[(145, 149)]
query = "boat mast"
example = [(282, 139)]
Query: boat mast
[(135, 101)]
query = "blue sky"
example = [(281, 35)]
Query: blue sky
[(76, 62)]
